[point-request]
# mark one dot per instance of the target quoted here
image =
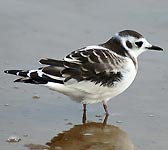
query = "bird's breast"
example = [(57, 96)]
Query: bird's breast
[(127, 74)]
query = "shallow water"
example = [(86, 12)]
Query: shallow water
[(31, 30), (89, 136)]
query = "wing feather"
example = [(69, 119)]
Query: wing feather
[(96, 64)]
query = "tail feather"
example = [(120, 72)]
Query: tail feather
[(17, 72), (27, 80), (34, 76)]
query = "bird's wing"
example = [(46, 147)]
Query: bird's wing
[(95, 63)]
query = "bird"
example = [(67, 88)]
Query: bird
[(92, 74)]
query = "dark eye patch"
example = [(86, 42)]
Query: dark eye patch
[(128, 43), (139, 44)]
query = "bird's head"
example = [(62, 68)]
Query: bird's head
[(134, 42)]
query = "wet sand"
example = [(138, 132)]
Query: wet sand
[(30, 30)]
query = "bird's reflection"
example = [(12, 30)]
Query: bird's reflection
[(91, 136)]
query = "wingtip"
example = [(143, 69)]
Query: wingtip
[(18, 80), (6, 71), (42, 61)]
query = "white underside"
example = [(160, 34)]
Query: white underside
[(87, 92)]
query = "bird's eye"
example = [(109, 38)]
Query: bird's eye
[(139, 44), (128, 43)]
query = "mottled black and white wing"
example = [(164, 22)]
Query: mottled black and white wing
[(95, 64)]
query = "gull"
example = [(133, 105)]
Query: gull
[(92, 74)]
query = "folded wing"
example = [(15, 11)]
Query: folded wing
[(95, 64)]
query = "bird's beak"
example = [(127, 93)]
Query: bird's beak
[(153, 47)]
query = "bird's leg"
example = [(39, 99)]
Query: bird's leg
[(84, 114), (105, 107), (84, 107), (105, 120)]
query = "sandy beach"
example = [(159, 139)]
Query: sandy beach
[(31, 30)]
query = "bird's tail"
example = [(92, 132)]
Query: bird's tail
[(28, 76), (17, 72)]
